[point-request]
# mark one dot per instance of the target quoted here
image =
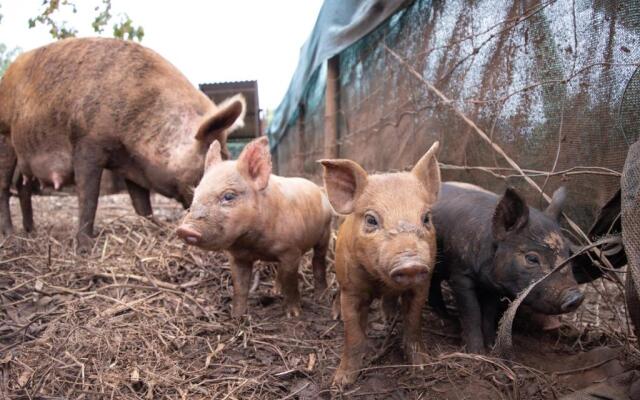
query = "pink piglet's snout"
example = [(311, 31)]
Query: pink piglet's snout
[(189, 234)]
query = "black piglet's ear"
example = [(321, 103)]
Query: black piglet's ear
[(557, 203), (511, 215)]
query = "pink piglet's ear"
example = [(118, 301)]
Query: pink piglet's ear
[(254, 163), (214, 155)]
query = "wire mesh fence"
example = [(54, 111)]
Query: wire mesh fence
[(554, 84)]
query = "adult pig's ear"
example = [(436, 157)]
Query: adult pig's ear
[(254, 163), (427, 169), (554, 210), (344, 181), (214, 155), (511, 215), (227, 117)]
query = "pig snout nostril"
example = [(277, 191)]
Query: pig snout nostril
[(189, 234), (409, 273), (572, 301)]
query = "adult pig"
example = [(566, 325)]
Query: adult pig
[(77, 106), (386, 247), (492, 247), (240, 207)]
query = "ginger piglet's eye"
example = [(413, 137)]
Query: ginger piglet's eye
[(371, 221)]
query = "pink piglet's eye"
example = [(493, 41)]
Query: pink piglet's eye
[(229, 197)]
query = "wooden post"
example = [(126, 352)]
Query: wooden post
[(331, 108), (300, 149)]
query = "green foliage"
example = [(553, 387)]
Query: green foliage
[(123, 28), (58, 30), (7, 56)]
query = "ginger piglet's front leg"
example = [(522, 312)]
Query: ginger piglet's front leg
[(412, 303), (355, 311)]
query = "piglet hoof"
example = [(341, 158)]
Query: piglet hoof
[(277, 289), (389, 316), (152, 219), (343, 378), (293, 310), (84, 244), (476, 348), (6, 231), (416, 355), (237, 311), (335, 308)]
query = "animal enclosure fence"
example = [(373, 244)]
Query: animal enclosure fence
[(554, 84), (531, 94)]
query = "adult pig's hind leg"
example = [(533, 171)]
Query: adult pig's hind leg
[(25, 190), (7, 167), (88, 163)]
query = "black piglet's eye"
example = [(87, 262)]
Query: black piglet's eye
[(532, 259)]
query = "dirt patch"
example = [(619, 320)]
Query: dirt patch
[(144, 316)]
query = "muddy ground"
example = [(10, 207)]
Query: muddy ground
[(145, 317)]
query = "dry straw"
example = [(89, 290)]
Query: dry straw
[(145, 317)]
